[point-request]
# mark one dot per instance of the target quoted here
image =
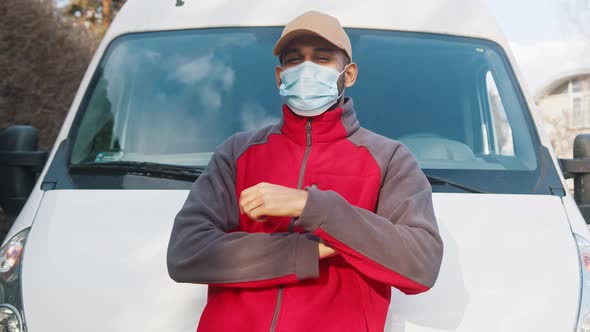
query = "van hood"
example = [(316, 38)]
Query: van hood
[(95, 260)]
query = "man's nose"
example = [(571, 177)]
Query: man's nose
[(308, 57)]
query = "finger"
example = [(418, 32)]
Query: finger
[(244, 195), (252, 205), (255, 188), (258, 213), (326, 251), (247, 200)]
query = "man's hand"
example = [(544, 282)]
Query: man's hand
[(265, 199), (325, 251)]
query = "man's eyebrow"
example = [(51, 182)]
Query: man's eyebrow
[(324, 49), (291, 51)]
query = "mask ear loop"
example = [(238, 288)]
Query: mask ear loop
[(345, 67)]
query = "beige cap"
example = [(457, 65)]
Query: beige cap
[(314, 22)]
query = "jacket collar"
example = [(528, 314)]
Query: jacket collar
[(332, 125)]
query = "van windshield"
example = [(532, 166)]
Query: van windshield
[(171, 97)]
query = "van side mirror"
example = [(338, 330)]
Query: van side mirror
[(19, 164), (579, 169)]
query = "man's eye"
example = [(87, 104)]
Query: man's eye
[(292, 60)]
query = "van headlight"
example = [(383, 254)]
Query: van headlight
[(10, 319), (584, 311), (11, 307)]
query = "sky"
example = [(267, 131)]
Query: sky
[(544, 37)]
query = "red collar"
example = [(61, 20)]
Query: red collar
[(332, 125)]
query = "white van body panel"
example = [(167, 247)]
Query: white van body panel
[(508, 265), (576, 220), (96, 261), (27, 214)]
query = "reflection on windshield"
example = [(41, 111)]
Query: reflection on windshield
[(172, 97)]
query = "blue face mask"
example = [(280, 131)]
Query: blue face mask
[(309, 89)]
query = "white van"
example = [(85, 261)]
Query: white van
[(172, 79)]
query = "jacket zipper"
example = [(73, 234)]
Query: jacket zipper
[(291, 224)]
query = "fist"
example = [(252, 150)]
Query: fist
[(265, 199)]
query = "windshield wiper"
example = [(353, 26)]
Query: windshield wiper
[(144, 168), (435, 179)]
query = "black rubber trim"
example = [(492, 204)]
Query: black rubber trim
[(58, 176)]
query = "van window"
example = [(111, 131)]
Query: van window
[(171, 97), (500, 134)]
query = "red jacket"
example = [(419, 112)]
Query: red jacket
[(368, 199)]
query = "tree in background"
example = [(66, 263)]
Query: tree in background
[(42, 61), (95, 15)]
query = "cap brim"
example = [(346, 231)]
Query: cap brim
[(286, 39)]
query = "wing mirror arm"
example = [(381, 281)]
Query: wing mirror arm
[(33, 160)]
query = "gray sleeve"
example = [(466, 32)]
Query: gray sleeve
[(206, 245), (399, 244)]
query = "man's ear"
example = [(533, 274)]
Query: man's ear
[(350, 73), (278, 75)]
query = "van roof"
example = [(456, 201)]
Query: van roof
[(458, 17)]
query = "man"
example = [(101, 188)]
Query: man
[(305, 225)]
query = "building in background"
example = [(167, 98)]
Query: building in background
[(564, 104)]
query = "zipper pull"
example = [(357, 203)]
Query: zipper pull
[(308, 129)]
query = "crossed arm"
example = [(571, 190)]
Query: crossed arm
[(398, 245), (265, 199)]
